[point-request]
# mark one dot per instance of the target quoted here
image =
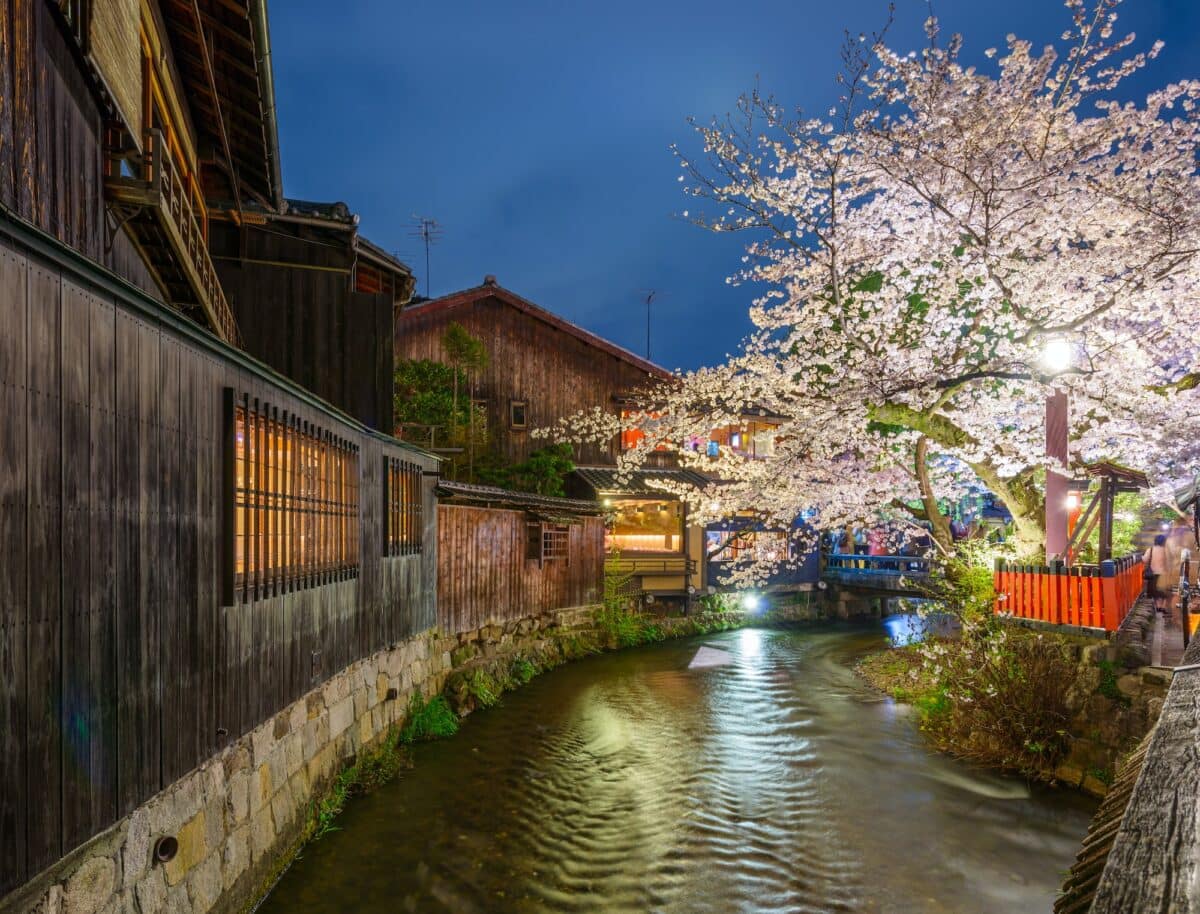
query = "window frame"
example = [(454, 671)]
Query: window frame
[(403, 517), (513, 406), (300, 527)]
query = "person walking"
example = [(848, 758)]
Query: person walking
[(1156, 560)]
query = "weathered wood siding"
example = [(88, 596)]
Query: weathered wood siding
[(291, 289), (484, 577), (557, 373), (120, 670), (51, 135)]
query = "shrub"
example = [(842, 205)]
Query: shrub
[(428, 720), (997, 696), (522, 670)]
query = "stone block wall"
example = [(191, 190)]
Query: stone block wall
[(238, 817)]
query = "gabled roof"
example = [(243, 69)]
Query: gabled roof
[(638, 482), (490, 289)]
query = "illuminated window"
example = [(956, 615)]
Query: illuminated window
[(746, 545), (295, 497), (518, 413), (402, 495), (644, 525)]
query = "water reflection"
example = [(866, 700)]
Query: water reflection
[(632, 783), (912, 627)]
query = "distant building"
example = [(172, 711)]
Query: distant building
[(541, 367)]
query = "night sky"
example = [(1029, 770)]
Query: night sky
[(537, 134)]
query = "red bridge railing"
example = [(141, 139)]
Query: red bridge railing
[(1094, 596)]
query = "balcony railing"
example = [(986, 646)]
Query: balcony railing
[(169, 232)]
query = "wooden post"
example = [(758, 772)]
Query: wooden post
[(1106, 518), (1110, 610)]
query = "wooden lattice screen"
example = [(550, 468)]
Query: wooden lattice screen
[(295, 496), (402, 501)]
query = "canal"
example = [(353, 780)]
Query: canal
[(772, 780)]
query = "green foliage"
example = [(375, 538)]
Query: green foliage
[(522, 671), (483, 687), (544, 472), (464, 351), (1109, 673), (428, 720), (424, 394), (719, 603), (373, 769), (1132, 513)]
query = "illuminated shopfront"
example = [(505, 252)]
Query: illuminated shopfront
[(645, 525)]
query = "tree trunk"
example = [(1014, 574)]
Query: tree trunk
[(939, 523)]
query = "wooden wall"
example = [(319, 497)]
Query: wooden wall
[(51, 141), (290, 288), (119, 669), (556, 372), (484, 577)]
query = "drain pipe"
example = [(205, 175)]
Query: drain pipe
[(262, 47)]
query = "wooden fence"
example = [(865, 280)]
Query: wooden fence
[(484, 576), (1091, 596)]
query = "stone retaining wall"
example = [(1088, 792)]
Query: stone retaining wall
[(239, 815)]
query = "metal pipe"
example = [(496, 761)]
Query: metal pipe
[(262, 44)]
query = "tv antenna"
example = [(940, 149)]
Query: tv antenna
[(430, 232), (650, 296)]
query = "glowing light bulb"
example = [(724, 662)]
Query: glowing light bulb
[(1056, 355)]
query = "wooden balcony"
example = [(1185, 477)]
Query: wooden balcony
[(159, 209)]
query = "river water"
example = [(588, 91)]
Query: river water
[(772, 781)]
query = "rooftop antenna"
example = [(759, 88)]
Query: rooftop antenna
[(430, 232), (650, 294)]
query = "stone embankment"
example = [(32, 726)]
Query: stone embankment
[(215, 840)]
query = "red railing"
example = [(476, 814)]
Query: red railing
[(1093, 596)]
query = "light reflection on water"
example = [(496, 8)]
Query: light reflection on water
[(909, 628), (630, 783)]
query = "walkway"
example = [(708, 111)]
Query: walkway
[(1167, 647)]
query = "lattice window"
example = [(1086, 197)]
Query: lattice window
[(295, 497), (555, 538), (402, 498), (548, 542)]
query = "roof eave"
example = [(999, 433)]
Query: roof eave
[(262, 50)]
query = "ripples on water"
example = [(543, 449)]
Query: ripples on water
[(773, 782)]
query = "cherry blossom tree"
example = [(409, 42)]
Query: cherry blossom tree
[(917, 250)]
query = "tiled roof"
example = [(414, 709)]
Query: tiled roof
[(494, 495), (638, 482)]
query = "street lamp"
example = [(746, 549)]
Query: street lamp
[(1057, 354)]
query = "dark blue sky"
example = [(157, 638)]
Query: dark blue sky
[(537, 133)]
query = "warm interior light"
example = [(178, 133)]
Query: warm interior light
[(1056, 354)]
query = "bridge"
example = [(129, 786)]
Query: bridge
[(890, 575)]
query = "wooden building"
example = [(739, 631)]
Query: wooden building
[(191, 540), (504, 556), (541, 367), (315, 300)]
